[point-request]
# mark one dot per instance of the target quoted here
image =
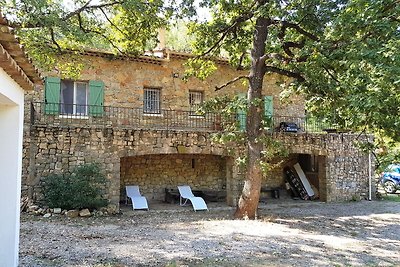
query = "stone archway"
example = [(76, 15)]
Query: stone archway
[(156, 160)]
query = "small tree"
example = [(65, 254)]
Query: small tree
[(83, 188)]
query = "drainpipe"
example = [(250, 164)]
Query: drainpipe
[(369, 176)]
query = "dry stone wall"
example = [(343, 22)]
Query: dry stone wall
[(158, 159), (57, 149), (344, 167)]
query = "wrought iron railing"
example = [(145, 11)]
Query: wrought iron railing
[(106, 116), (51, 114), (299, 125)]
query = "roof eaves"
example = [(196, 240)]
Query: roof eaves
[(14, 60)]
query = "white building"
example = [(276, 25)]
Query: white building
[(17, 74)]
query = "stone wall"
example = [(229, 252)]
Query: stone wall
[(158, 159), (57, 149), (343, 167), (154, 173)]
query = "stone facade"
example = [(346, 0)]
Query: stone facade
[(161, 158), (156, 160), (126, 79)]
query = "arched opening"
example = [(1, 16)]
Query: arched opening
[(314, 168), (155, 173)]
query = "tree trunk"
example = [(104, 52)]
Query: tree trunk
[(248, 201)]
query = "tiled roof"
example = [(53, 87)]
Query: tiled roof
[(153, 57), (14, 60)]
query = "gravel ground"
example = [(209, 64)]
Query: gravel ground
[(293, 233)]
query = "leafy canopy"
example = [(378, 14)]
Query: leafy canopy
[(342, 54)]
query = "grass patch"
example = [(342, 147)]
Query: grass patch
[(395, 198)]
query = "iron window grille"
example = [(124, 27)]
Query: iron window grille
[(195, 101), (151, 101)]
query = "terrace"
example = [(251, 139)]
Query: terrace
[(62, 115)]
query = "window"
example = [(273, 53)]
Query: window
[(74, 97), (151, 101), (195, 100)]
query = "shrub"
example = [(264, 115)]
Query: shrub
[(82, 188)]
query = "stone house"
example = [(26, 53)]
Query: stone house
[(17, 75), (134, 116)]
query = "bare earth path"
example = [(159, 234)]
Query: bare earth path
[(287, 234)]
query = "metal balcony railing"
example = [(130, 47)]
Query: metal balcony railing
[(54, 114)]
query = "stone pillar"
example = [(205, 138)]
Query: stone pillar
[(322, 176), (229, 181), (329, 181), (234, 178), (113, 173)]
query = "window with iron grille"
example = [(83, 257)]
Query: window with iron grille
[(151, 100), (195, 100)]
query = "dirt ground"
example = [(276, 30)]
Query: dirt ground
[(291, 233)]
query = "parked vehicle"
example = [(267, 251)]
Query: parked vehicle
[(390, 178)]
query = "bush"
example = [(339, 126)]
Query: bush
[(83, 188)]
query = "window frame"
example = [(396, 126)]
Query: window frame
[(74, 98), (152, 111), (192, 106)]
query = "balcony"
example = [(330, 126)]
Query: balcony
[(61, 115)]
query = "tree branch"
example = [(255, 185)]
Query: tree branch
[(287, 45), (86, 6), (286, 73), (111, 23), (285, 24), (230, 28), (85, 30), (217, 88), (53, 39), (286, 59), (76, 12), (240, 66), (330, 74)]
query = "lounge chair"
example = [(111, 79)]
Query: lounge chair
[(139, 202), (186, 194)]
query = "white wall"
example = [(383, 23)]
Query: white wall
[(11, 127)]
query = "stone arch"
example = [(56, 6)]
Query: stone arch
[(157, 160)]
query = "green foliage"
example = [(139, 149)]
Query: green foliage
[(388, 152), (232, 137), (346, 53), (199, 67), (359, 68), (83, 188), (48, 27), (178, 37)]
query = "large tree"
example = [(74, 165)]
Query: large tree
[(342, 54)]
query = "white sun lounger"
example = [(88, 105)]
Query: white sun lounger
[(186, 194), (139, 202)]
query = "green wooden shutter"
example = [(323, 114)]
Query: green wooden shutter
[(52, 95), (242, 116), (96, 98), (268, 111)]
